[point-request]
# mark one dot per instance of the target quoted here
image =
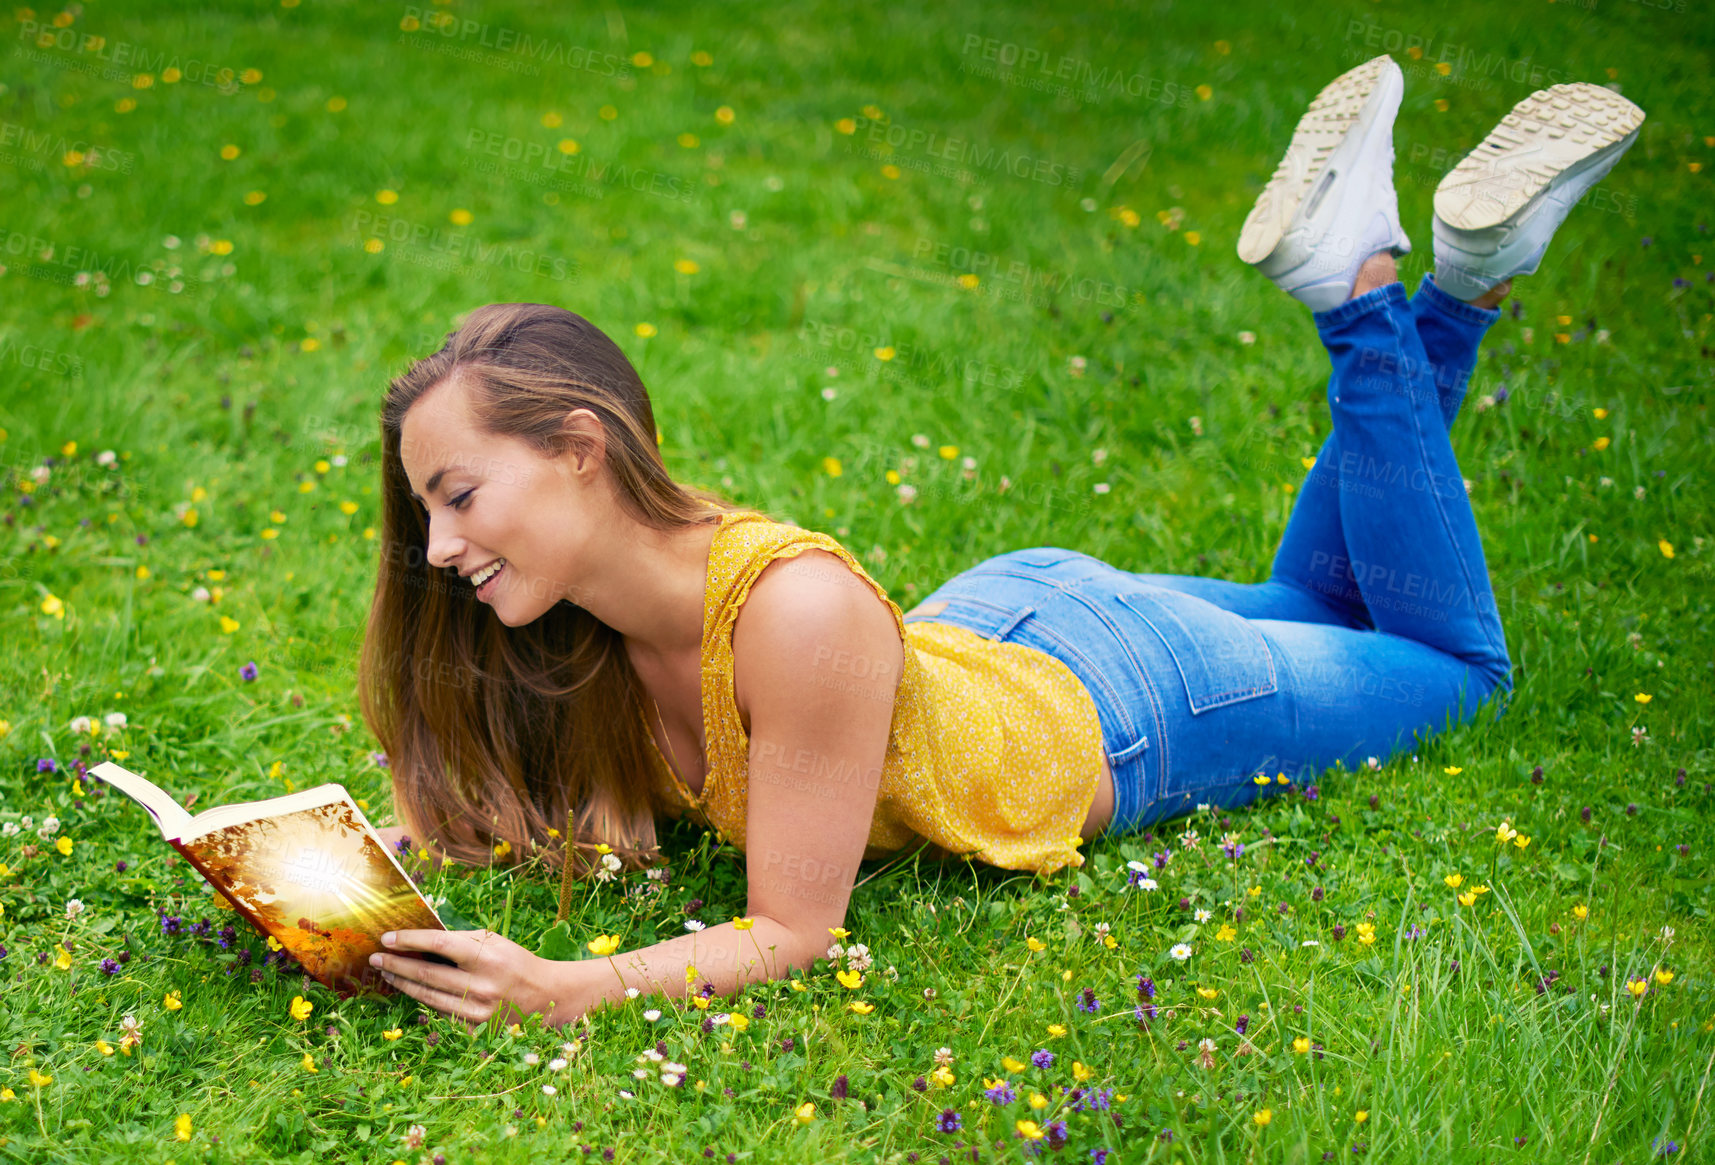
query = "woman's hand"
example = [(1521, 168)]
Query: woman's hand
[(494, 976)]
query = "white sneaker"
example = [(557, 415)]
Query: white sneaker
[(1498, 209), (1331, 203)]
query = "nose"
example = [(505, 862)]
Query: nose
[(443, 546)]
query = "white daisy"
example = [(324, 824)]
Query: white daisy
[(1148, 884), (1180, 951), (692, 924), (652, 1014), (549, 1090), (557, 1064), (1202, 916)]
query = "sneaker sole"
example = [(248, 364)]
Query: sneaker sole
[(1331, 116), (1545, 135)]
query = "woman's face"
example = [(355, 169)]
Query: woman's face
[(495, 500)]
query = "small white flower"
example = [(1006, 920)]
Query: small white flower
[(720, 1017), (1180, 951), (830, 392), (1148, 884), (1202, 806), (1102, 930), (906, 491), (831, 370), (835, 951), (640, 1073), (1667, 933), (944, 1056), (74, 907), (626, 1095), (1310, 942), (1247, 337), (1101, 487), (41, 473), (611, 862), (557, 1064), (200, 595), (79, 725), (106, 457), (1372, 762), (676, 1069), (632, 993), (1134, 864), (921, 440), (50, 826), (1097, 456), (692, 924), (653, 1014), (10, 829), (653, 1056), (549, 1090), (671, 1079), (532, 1059), (1202, 916), (857, 957), (337, 460)]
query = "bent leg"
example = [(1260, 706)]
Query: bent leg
[(1415, 553), (1313, 553)]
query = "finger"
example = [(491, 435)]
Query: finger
[(419, 940), (411, 968), (450, 1003)]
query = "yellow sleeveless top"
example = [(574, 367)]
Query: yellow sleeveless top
[(995, 749)]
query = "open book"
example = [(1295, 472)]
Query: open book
[(306, 868)]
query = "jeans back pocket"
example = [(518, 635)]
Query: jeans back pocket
[(1221, 658)]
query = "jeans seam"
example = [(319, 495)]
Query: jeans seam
[(1156, 711), (1440, 503)]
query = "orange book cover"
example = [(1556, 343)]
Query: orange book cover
[(306, 868)]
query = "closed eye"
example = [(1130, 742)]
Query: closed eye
[(459, 502)]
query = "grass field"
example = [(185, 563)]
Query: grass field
[(942, 281)]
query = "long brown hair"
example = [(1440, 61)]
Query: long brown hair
[(497, 733)]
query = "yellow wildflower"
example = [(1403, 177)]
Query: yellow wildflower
[(1028, 1130), (851, 980), (39, 1079), (172, 1002), (63, 959), (392, 1033), (1226, 934), (1056, 1030), (1637, 986), (1301, 1045), (182, 1127), (64, 846), (1207, 992), (1362, 1115), (839, 932), (1035, 944), (301, 1008), (805, 1114), (606, 944), (309, 1063), (861, 1007), (942, 1077), (1263, 1116), (1454, 880), (1580, 912), (1664, 976), (105, 1048), (742, 923)]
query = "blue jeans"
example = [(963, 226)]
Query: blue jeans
[(1376, 627)]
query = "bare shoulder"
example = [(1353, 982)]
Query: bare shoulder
[(810, 615)]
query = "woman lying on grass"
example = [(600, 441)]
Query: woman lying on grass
[(566, 644)]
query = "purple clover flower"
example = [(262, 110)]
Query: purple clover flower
[(109, 967), (1000, 1094), (1042, 1058), (1088, 1003), (1146, 986), (248, 671), (951, 1121), (46, 765)]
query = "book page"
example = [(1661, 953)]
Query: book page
[(322, 883)]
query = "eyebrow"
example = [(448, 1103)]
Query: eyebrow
[(435, 480)]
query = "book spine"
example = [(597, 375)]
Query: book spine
[(190, 856)]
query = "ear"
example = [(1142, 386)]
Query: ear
[(585, 439)]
